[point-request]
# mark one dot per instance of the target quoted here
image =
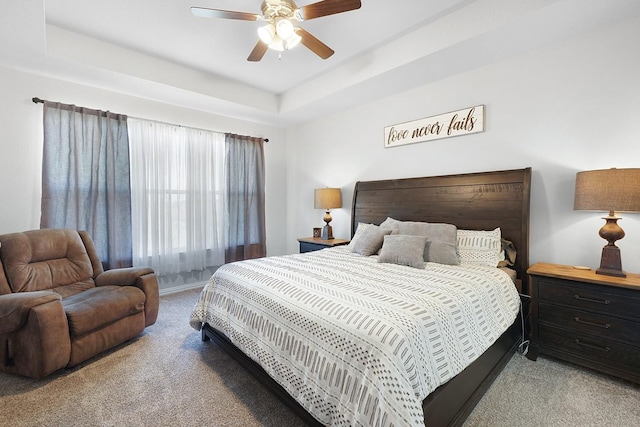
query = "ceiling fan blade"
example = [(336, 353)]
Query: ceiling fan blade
[(203, 12), (258, 52), (328, 7), (313, 44)]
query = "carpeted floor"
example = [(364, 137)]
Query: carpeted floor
[(169, 377)]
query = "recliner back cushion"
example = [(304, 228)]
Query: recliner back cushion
[(44, 259)]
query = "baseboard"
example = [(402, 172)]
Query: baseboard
[(186, 287)]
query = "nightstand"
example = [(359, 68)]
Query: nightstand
[(308, 244), (586, 318)]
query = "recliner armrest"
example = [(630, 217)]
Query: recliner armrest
[(142, 277), (14, 308), (122, 276)]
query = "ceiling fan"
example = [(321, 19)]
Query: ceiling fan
[(281, 31)]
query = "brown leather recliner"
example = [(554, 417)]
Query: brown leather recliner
[(58, 307)]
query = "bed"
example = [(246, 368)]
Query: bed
[(477, 201)]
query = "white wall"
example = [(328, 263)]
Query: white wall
[(561, 109), (21, 146)]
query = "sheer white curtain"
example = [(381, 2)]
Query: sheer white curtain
[(177, 196)]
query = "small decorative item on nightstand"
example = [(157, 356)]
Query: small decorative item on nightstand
[(309, 244), (317, 232), (586, 318)]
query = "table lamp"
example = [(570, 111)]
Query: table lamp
[(609, 190), (327, 198)]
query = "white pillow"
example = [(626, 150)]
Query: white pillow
[(480, 247)]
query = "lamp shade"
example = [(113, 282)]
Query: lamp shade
[(267, 33), (608, 190), (327, 198), (293, 41), (284, 28)]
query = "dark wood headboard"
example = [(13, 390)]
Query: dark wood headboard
[(474, 201)]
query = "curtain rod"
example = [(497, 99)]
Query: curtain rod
[(37, 100)]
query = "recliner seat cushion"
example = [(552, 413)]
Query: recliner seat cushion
[(66, 291), (101, 306)]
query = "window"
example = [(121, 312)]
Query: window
[(178, 201)]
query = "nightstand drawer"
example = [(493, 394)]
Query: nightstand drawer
[(609, 353), (589, 323), (310, 244), (618, 302), (309, 247)]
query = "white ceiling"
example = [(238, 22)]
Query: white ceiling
[(157, 49), (166, 29)]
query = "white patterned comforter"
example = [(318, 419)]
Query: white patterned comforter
[(354, 341)]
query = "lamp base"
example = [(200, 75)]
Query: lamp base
[(610, 262), (327, 232)]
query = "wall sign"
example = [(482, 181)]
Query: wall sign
[(461, 122)]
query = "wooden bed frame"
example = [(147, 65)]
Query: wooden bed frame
[(476, 201)]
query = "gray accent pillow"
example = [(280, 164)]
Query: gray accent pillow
[(403, 250), (391, 223), (442, 238), (356, 236), (369, 241)]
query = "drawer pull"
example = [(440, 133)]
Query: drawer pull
[(595, 347), (599, 301), (599, 325)]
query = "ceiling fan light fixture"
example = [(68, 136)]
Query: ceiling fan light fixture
[(284, 28), (293, 41), (267, 33), (279, 18), (277, 44)]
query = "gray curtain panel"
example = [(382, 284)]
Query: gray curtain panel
[(85, 178), (245, 216)]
